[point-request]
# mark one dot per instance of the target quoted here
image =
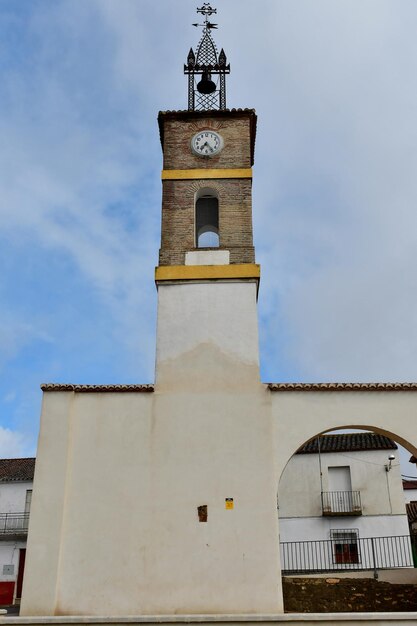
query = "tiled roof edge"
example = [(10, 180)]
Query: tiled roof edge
[(209, 112), (342, 386), (17, 470), (96, 388), (348, 442), (16, 480)]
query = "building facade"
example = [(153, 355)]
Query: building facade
[(342, 481), (410, 490), (341, 506), (16, 481)]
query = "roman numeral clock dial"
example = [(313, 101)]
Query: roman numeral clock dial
[(206, 143)]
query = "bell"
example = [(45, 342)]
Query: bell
[(206, 85)]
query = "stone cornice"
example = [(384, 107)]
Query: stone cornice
[(203, 174), (233, 271), (342, 386), (97, 388)]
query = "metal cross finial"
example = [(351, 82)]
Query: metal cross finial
[(206, 9), (204, 66)]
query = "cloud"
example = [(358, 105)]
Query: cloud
[(12, 444), (15, 335), (336, 192), (74, 171)]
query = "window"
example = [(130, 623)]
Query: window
[(207, 220), (345, 546), (28, 500), (24, 519)]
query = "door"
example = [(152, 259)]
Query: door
[(340, 486), (19, 584)]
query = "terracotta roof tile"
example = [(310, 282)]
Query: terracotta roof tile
[(348, 442), (96, 388), (342, 386), (12, 470)]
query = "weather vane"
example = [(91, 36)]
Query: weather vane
[(205, 65)]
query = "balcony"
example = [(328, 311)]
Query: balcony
[(13, 526), (346, 553), (341, 503)]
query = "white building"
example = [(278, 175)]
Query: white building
[(410, 490), (16, 478), (410, 496), (338, 491)]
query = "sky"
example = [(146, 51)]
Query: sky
[(334, 198)]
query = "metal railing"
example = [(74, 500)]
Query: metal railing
[(14, 523), (341, 503), (346, 554)]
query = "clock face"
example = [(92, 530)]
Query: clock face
[(206, 143)]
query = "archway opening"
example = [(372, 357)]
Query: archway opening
[(207, 220), (342, 505)]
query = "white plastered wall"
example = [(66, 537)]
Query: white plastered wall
[(122, 492), (410, 495), (318, 528), (131, 469), (9, 555), (114, 526), (13, 496), (207, 335), (381, 492)]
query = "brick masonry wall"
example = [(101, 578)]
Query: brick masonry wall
[(177, 142), (234, 195)]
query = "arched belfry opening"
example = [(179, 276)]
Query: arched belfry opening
[(207, 219)]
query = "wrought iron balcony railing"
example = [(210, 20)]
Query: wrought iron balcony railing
[(346, 553), (13, 524), (341, 503)]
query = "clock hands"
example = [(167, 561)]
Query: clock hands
[(206, 143)]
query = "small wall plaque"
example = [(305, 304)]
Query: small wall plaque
[(228, 503), (8, 570)]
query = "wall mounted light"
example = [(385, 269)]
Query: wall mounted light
[(388, 466)]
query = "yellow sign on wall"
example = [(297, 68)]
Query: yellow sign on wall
[(229, 504)]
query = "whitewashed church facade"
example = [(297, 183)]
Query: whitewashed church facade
[(165, 495)]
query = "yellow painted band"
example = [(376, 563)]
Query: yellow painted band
[(207, 272), (206, 173)]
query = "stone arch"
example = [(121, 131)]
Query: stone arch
[(303, 415), (365, 427), (370, 428)]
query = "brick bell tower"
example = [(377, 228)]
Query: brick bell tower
[(207, 278)]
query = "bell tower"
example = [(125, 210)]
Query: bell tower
[(164, 496), (207, 278)]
